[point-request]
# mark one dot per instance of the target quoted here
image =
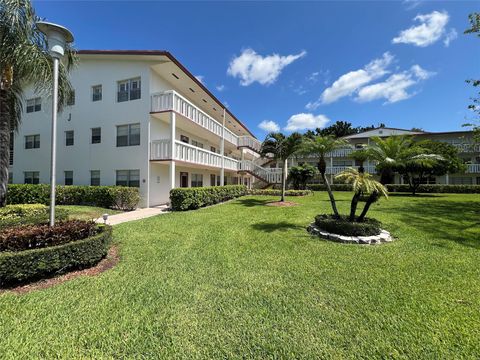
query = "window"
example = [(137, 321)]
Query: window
[(10, 178), (68, 177), (342, 162), (461, 180), (32, 142), (96, 135), (184, 139), (12, 137), (212, 149), (129, 90), (34, 105), (69, 136), (97, 93), (128, 178), (197, 180), (71, 99), (213, 179), (94, 177), (197, 144), (128, 135), (31, 177), (183, 179)]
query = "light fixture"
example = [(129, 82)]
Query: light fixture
[(105, 218), (57, 39)]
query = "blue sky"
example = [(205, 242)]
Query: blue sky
[(297, 65)]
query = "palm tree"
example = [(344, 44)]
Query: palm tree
[(282, 147), (390, 153), (362, 184), (319, 146), (24, 61), (361, 156)]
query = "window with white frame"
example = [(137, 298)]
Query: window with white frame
[(129, 89), (96, 135), (97, 93), (71, 99), (197, 180), (94, 177), (128, 178), (69, 138), (31, 177), (68, 177), (342, 162), (32, 142), (34, 105), (128, 135), (197, 144)]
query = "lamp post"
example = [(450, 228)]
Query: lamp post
[(57, 37)]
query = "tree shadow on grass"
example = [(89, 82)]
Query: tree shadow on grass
[(408, 195), (443, 220), (253, 202), (277, 226)]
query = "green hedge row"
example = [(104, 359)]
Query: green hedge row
[(433, 188), (22, 214), (114, 197), (193, 198), (341, 225), (29, 265), (275, 192)]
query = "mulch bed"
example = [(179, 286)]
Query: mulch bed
[(105, 264), (282, 204)]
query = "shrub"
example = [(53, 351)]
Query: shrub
[(14, 215), (274, 192), (28, 265), (115, 197), (39, 236), (432, 188), (335, 187), (341, 225), (193, 198)]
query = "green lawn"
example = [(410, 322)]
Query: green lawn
[(86, 212), (245, 280)]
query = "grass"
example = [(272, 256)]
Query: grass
[(86, 212), (244, 280)]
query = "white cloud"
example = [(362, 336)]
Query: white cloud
[(350, 82), (411, 4), (431, 29), (220, 87), (395, 87), (449, 37), (305, 121), (200, 78), (269, 126), (251, 67)]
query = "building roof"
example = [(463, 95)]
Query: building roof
[(176, 62), (383, 132)]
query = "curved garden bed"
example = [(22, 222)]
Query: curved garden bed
[(40, 262)]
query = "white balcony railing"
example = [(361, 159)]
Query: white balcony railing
[(160, 150), (473, 168), (345, 152), (334, 170), (270, 175), (171, 100), (249, 142), (467, 148)]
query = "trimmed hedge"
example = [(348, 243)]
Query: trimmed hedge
[(193, 198), (23, 214), (29, 265), (114, 197), (432, 188), (341, 226), (274, 192)]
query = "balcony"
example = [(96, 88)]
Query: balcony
[(344, 152), (473, 168), (249, 142), (338, 169), (467, 148), (160, 150), (269, 175)]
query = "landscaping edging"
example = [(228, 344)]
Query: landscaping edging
[(383, 237), (29, 265)]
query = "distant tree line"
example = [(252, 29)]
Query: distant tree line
[(340, 129)]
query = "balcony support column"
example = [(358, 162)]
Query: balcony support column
[(447, 180), (222, 152), (171, 169)]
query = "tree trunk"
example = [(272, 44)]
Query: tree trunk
[(361, 169), (322, 169), (386, 176), (4, 146), (353, 206), (371, 199), (284, 179)]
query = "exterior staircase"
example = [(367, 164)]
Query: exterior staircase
[(270, 176)]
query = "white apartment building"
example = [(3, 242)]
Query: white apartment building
[(138, 118)]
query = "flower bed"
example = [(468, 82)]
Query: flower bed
[(34, 252)]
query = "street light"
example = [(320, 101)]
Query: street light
[(57, 37)]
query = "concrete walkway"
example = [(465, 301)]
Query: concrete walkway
[(134, 215)]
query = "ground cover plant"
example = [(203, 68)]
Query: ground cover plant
[(245, 280)]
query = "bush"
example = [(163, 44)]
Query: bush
[(28, 265), (39, 236), (334, 187), (274, 192), (193, 198), (341, 225), (436, 188), (114, 197), (14, 215)]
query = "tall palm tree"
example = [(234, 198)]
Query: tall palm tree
[(362, 184), (282, 147), (320, 146), (24, 61)]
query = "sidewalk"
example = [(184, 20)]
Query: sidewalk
[(134, 215)]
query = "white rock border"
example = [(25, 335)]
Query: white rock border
[(383, 237)]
